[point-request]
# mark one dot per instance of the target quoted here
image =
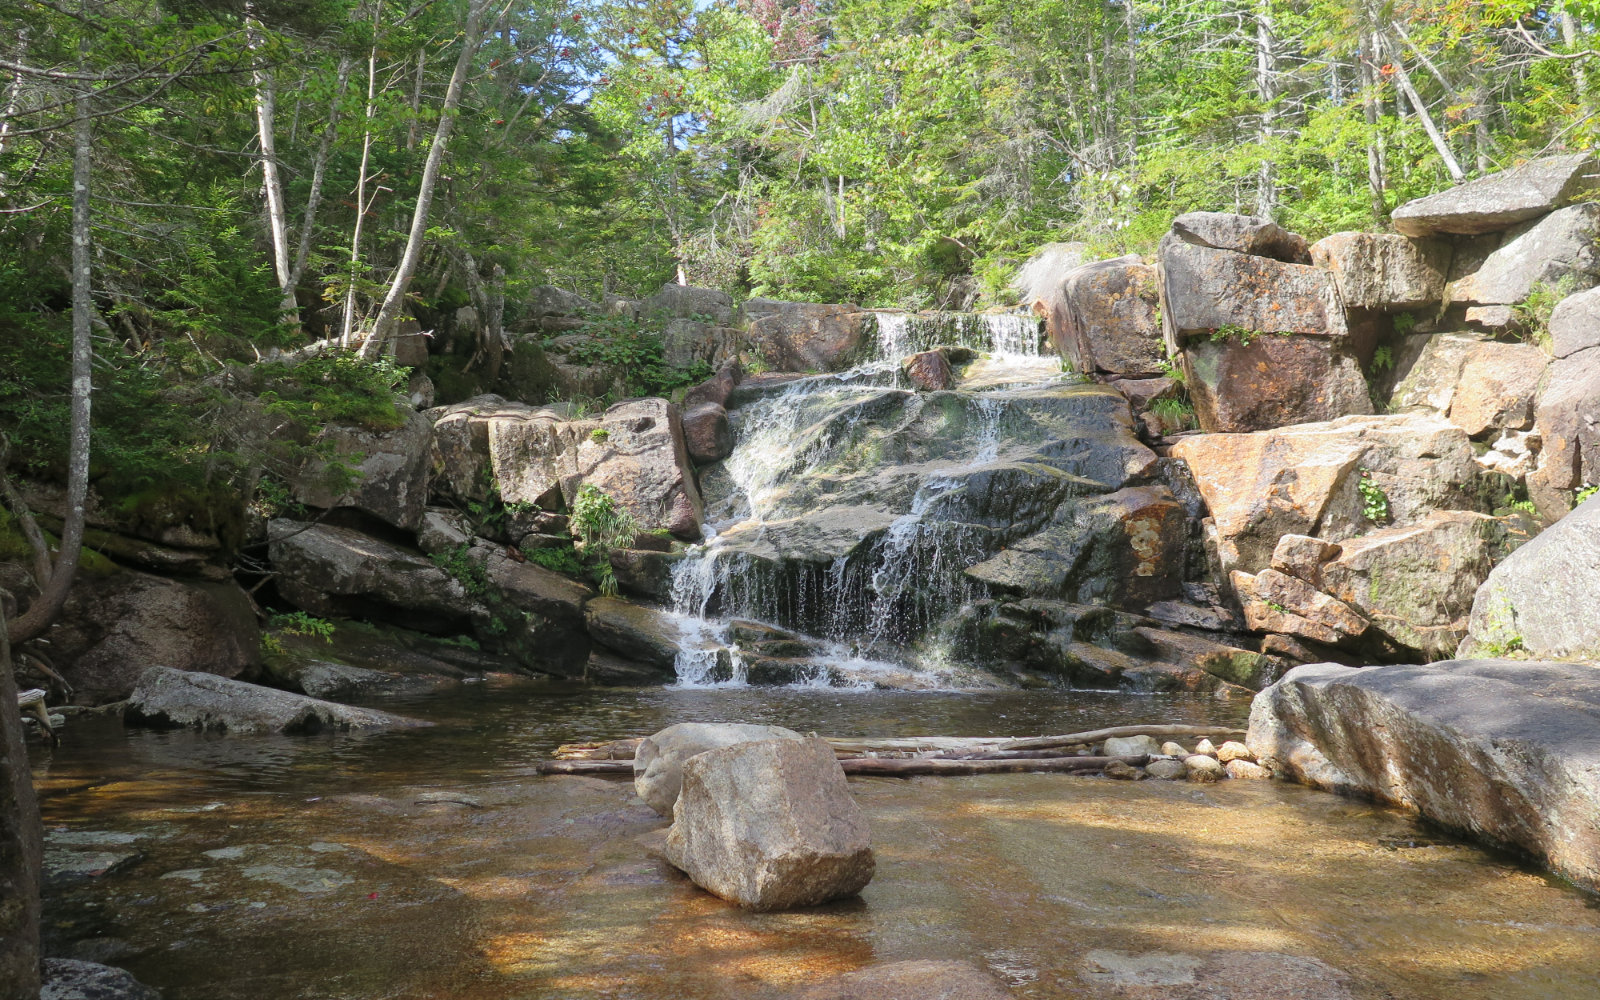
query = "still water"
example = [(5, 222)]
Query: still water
[(435, 864)]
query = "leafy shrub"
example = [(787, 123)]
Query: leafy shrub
[(601, 525), (1374, 502), (301, 623), (336, 387), (1534, 312), (562, 560)]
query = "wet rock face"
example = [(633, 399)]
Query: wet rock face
[(1505, 750), (1501, 200), (706, 434), (70, 979), (114, 626), (1272, 381), (770, 826), (1107, 318), (1542, 599), (389, 478), (928, 370), (167, 698), (658, 762)]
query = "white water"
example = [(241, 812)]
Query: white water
[(783, 442)]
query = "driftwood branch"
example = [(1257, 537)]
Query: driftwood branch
[(887, 767), (1119, 732)]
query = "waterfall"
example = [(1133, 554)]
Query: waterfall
[(847, 510)]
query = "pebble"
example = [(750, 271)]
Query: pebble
[(1203, 768), (1246, 769), (1234, 750), (1174, 750), (1131, 746), (1167, 770), (1205, 747)]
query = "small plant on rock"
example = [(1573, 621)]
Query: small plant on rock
[(601, 525), (1374, 502), (1534, 312), (1585, 494), (300, 623)]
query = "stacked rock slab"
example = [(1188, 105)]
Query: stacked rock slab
[(1263, 333), (1503, 750), (770, 825), (1543, 599)]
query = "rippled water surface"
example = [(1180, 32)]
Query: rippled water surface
[(434, 863)]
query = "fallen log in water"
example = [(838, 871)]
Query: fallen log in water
[(1118, 732), (887, 767), (843, 746)]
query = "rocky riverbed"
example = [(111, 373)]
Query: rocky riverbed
[(434, 863)]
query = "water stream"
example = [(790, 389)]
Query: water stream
[(847, 509)]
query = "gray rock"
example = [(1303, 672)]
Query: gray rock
[(70, 979), (167, 698), (1384, 271), (338, 572), (636, 631), (1575, 324), (806, 336), (770, 826), (658, 761), (686, 342), (442, 531), (1203, 768), (1560, 246), (337, 681), (1427, 376), (548, 300), (915, 980), (1248, 770), (65, 865), (1247, 234), (1209, 290), (1504, 750), (1500, 200), (1542, 599), (688, 302), (390, 471), (1131, 746), (1166, 770)]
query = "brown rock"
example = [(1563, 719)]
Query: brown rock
[(1497, 387), (1302, 556), (706, 433), (115, 625), (1568, 420), (928, 371), (1272, 382), (408, 345), (1289, 648), (1276, 602), (1248, 234), (1427, 378), (1416, 582), (1206, 290), (717, 388), (916, 980), (1248, 770), (1107, 321), (1303, 480), (1236, 666), (1499, 201), (1122, 771), (1382, 271), (804, 336), (1141, 392)]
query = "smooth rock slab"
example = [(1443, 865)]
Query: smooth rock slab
[(1505, 750), (770, 826), (1544, 599), (914, 980), (658, 761), (1500, 200), (1560, 246), (167, 698)]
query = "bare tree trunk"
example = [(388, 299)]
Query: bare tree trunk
[(319, 170), (389, 314), (1267, 91), (21, 850), (347, 328), (1580, 76), (13, 102), (1403, 78), (416, 101), (277, 217), (53, 593), (1371, 111)]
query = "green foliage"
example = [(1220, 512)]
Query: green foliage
[(1178, 413), (1585, 493), (637, 352), (601, 525), (1374, 501), (1237, 334), (465, 570), (599, 435), (562, 560), (1404, 323), (1382, 360), (335, 387), (302, 623), (1533, 313)]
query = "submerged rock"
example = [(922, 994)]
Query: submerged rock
[(1501, 749), (915, 980), (175, 699), (770, 826), (658, 762), (70, 979)]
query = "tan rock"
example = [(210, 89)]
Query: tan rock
[(915, 980), (1273, 381), (658, 761), (1247, 770), (1302, 556), (1500, 200), (1234, 750), (1428, 377), (1107, 322), (1171, 749), (1568, 422), (1497, 387), (1205, 747), (1276, 602), (1203, 768), (1122, 772), (770, 826), (1384, 271), (1166, 770)]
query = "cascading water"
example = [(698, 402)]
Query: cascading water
[(851, 504)]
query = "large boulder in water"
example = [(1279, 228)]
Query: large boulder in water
[(1306, 480), (1505, 750), (1542, 599), (116, 624), (1499, 201), (770, 826), (176, 699), (658, 761)]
